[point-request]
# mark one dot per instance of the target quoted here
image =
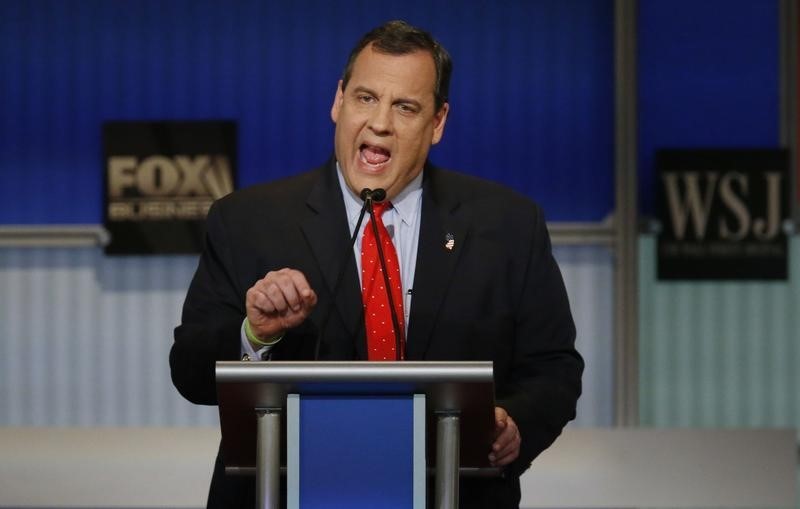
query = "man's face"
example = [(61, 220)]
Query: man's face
[(386, 120)]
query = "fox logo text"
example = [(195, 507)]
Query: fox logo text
[(162, 187)]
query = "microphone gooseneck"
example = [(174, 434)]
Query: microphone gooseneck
[(368, 196)]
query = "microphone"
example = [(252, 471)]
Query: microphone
[(379, 195), (370, 195), (367, 195)]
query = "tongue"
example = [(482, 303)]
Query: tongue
[(375, 155)]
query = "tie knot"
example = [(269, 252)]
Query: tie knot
[(380, 207)]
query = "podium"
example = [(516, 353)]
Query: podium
[(368, 433)]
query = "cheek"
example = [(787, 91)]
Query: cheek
[(353, 118), (345, 135), (415, 136), (413, 149)]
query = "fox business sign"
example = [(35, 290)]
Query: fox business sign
[(161, 178), (723, 214)]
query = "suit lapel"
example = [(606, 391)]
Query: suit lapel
[(327, 233), (435, 262)]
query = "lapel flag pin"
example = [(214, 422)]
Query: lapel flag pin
[(450, 241)]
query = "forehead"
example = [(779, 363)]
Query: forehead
[(412, 73)]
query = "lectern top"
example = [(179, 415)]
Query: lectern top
[(354, 372)]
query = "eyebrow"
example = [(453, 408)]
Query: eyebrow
[(401, 100), (362, 88)]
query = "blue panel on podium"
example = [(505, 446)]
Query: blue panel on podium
[(356, 452)]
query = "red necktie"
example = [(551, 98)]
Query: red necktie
[(377, 312)]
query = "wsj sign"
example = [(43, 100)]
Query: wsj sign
[(722, 214), (161, 178)]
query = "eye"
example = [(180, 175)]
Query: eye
[(365, 99), (407, 108)]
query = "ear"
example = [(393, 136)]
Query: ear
[(439, 120), (337, 102)]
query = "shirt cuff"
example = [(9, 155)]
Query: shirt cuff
[(249, 353)]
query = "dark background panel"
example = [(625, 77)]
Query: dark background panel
[(532, 94), (709, 76)]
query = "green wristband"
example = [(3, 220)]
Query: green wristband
[(254, 339)]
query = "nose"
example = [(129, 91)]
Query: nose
[(380, 121)]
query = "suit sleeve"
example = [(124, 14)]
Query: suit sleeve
[(545, 379), (212, 316)]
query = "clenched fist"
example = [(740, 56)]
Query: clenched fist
[(279, 301)]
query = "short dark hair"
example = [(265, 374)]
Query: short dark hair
[(399, 38)]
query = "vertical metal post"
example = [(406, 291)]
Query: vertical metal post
[(626, 285), (268, 458), (420, 494), (788, 73), (447, 460)]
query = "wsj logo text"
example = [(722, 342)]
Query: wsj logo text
[(162, 187), (729, 206)]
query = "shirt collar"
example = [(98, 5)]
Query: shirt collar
[(406, 204)]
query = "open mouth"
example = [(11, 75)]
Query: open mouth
[(374, 156)]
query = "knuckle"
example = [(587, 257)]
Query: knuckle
[(272, 290)]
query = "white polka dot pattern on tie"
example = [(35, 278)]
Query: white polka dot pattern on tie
[(377, 314)]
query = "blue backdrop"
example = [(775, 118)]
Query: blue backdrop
[(532, 96), (709, 76), (531, 99)]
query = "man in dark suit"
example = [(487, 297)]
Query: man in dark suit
[(476, 255)]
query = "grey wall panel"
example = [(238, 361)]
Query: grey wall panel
[(84, 338), (719, 353), (589, 278)]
